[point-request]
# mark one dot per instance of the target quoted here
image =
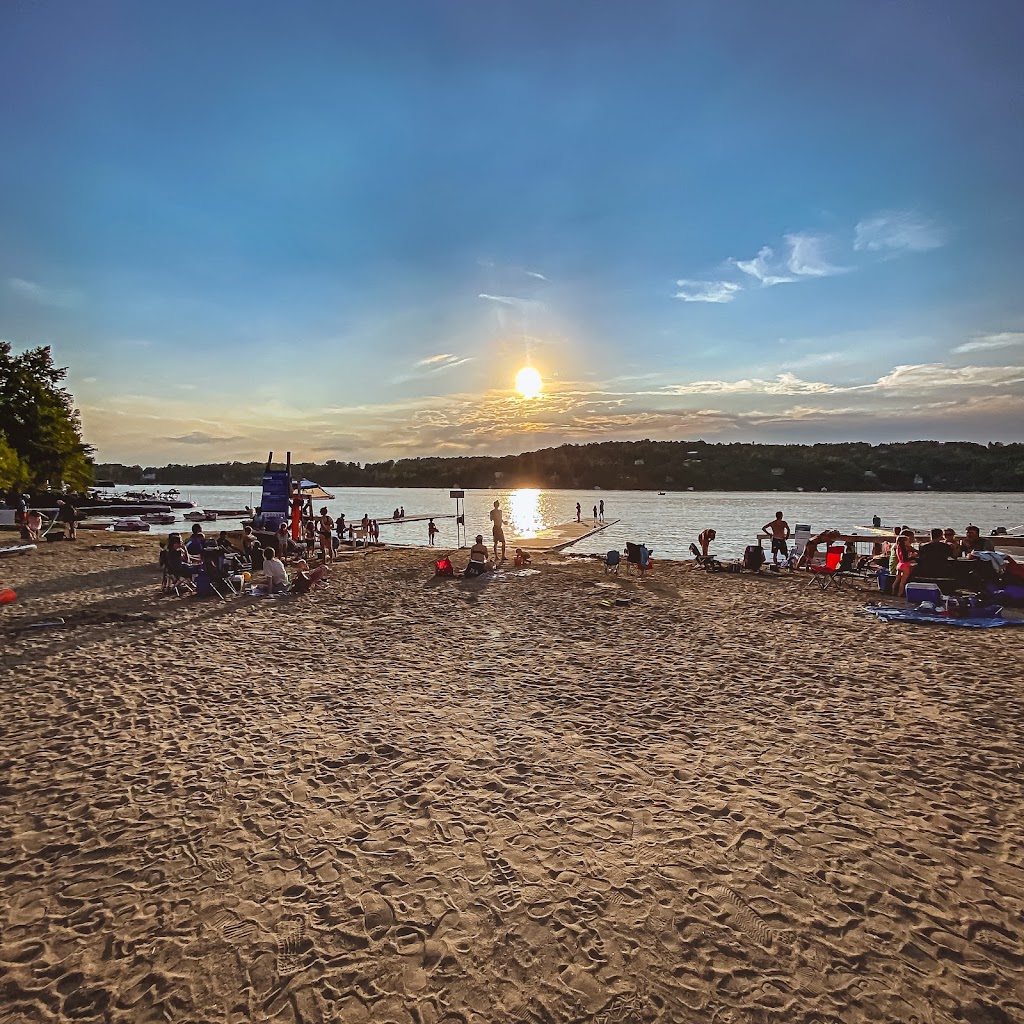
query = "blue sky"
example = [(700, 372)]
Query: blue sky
[(342, 228)]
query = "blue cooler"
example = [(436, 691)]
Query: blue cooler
[(884, 581), (918, 592)]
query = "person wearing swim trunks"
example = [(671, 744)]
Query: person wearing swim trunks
[(497, 531), (779, 529)]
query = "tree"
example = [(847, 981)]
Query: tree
[(39, 420), (14, 475)]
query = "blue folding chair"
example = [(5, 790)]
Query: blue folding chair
[(612, 562)]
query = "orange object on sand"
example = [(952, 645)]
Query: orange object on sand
[(7, 596)]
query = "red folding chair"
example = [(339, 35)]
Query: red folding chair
[(830, 574)]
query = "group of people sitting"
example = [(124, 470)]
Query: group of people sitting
[(938, 557), (221, 558), (480, 560)]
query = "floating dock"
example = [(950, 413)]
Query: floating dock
[(554, 538)]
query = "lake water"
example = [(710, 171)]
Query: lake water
[(667, 523)]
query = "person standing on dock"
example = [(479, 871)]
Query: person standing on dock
[(595, 515), (779, 529), (498, 531), (578, 512), (600, 510)]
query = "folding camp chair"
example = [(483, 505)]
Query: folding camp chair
[(710, 563), (171, 582), (638, 556), (612, 562), (831, 573)]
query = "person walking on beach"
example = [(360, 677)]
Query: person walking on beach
[(431, 532), (779, 529), (600, 509), (578, 512), (67, 515), (498, 531)]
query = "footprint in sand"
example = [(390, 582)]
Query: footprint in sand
[(378, 917), (292, 945), (506, 883)]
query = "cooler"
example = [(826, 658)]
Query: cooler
[(918, 592)]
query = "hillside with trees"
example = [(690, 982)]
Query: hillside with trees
[(653, 465)]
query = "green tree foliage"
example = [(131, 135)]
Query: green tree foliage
[(14, 475), (659, 466), (39, 421)]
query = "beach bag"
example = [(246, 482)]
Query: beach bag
[(753, 557), (444, 567), (302, 584)]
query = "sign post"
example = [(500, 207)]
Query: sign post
[(460, 516)]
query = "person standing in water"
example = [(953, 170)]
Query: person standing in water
[(498, 531)]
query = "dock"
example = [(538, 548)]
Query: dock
[(558, 536)]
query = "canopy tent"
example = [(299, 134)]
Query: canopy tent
[(311, 489)]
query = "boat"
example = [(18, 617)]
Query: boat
[(159, 517), (199, 516), (661, 494), (130, 524)]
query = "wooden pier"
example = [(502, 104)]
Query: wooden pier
[(558, 536)]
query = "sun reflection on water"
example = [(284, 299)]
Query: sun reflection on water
[(525, 514)]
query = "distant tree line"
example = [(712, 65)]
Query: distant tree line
[(40, 433), (652, 465)]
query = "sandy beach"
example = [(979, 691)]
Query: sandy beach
[(405, 800)]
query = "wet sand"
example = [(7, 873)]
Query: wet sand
[(731, 800)]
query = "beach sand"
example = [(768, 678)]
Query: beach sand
[(408, 800)]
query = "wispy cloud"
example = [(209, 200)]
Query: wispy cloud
[(895, 231), (42, 295), (431, 365), (199, 437), (807, 256), (928, 376), (443, 361), (805, 259), (783, 384), (534, 273), (706, 291), (987, 342), (508, 300), (765, 267)]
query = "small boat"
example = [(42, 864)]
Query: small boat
[(159, 517), (199, 516), (130, 524), (661, 494)]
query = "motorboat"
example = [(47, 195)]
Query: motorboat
[(130, 524), (162, 518), (199, 516)]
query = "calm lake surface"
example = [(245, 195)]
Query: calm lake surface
[(667, 523)]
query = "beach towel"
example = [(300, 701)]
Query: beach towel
[(927, 618)]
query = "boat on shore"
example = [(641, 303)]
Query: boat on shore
[(130, 524)]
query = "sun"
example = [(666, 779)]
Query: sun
[(528, 382)]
